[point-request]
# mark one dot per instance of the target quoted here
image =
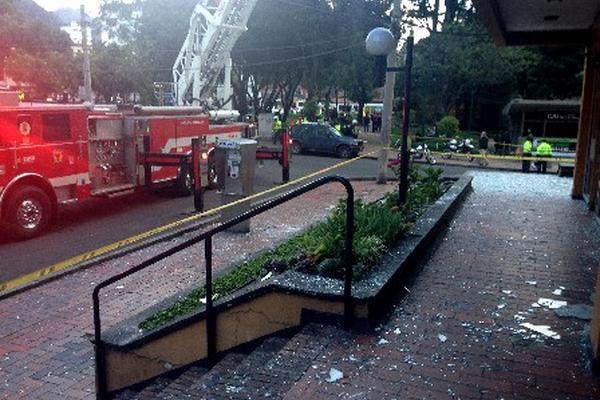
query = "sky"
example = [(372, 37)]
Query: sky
[(91, 6)]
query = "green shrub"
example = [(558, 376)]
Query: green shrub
[(448, 126)]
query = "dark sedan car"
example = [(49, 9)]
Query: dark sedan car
[(323, 138)]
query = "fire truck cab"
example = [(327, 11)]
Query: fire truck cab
[(56, 153)]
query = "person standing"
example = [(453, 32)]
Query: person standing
[(483, 148), (544, 150), (527, 150)]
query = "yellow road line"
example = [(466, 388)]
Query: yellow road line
[(32, 276)]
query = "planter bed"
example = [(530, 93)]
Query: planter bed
[(264, 307)]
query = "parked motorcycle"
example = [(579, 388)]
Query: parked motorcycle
[(422, 150), (455, 147), (417, 153)]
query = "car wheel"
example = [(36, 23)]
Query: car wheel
[(344, 152), (296, 148), (29, 212)]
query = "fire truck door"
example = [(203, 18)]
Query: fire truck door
[(8, 140), (51, 149)]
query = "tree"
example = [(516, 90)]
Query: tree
[(353, 70), (113, 71), (284, 47), (35, 51), (146, 38)]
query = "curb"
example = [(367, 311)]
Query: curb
[(107, 257)]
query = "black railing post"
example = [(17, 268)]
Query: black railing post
[(348, 257), (198, 192), (147, 167), (101, 390), (211, 340), (285, 156)]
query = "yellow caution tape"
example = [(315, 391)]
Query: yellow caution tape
[(508, 158), (35, 275), (446, 139)]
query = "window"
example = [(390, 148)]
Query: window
[(56, 127)]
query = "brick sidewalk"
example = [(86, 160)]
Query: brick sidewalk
[(457, 333), (45, 349)]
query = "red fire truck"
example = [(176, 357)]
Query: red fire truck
[(52, 154)]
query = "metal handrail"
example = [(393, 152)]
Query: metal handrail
[(101, 390)]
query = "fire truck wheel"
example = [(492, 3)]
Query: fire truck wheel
[(185, 182), (29, 212)]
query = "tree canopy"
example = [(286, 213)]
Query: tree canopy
[(35, 50), (459, 71), (313, 47)]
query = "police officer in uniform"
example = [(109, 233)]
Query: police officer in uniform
[(527, 150)]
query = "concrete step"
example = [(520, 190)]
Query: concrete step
[(245, 381), (268, 371)]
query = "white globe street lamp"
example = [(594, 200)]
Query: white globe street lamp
[(382, 42)]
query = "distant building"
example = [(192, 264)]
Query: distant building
[(550, 118)]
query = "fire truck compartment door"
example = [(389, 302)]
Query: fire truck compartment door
[(163, 139)]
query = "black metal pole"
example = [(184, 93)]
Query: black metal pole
[(348, 259), (147, 166), (211, 332), (285, 161), (101, 390), (403, 185), (198, 192)]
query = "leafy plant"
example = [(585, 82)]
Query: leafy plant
[(448, 126)]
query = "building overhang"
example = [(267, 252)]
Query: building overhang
[(539, 22)]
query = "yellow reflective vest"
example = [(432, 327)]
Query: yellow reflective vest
[(544, 150), (527, 147)]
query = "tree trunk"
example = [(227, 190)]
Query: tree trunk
[(452, 8), (435, 16)]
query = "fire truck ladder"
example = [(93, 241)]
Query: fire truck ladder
[(215, 26)]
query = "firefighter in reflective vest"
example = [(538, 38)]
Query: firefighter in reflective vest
[(527, 150), (544, 150), (277, 127), (338, 126), (21, 96)]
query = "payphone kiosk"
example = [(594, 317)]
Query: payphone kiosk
[(235, 161)]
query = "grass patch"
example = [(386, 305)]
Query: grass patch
[(318, 249)]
